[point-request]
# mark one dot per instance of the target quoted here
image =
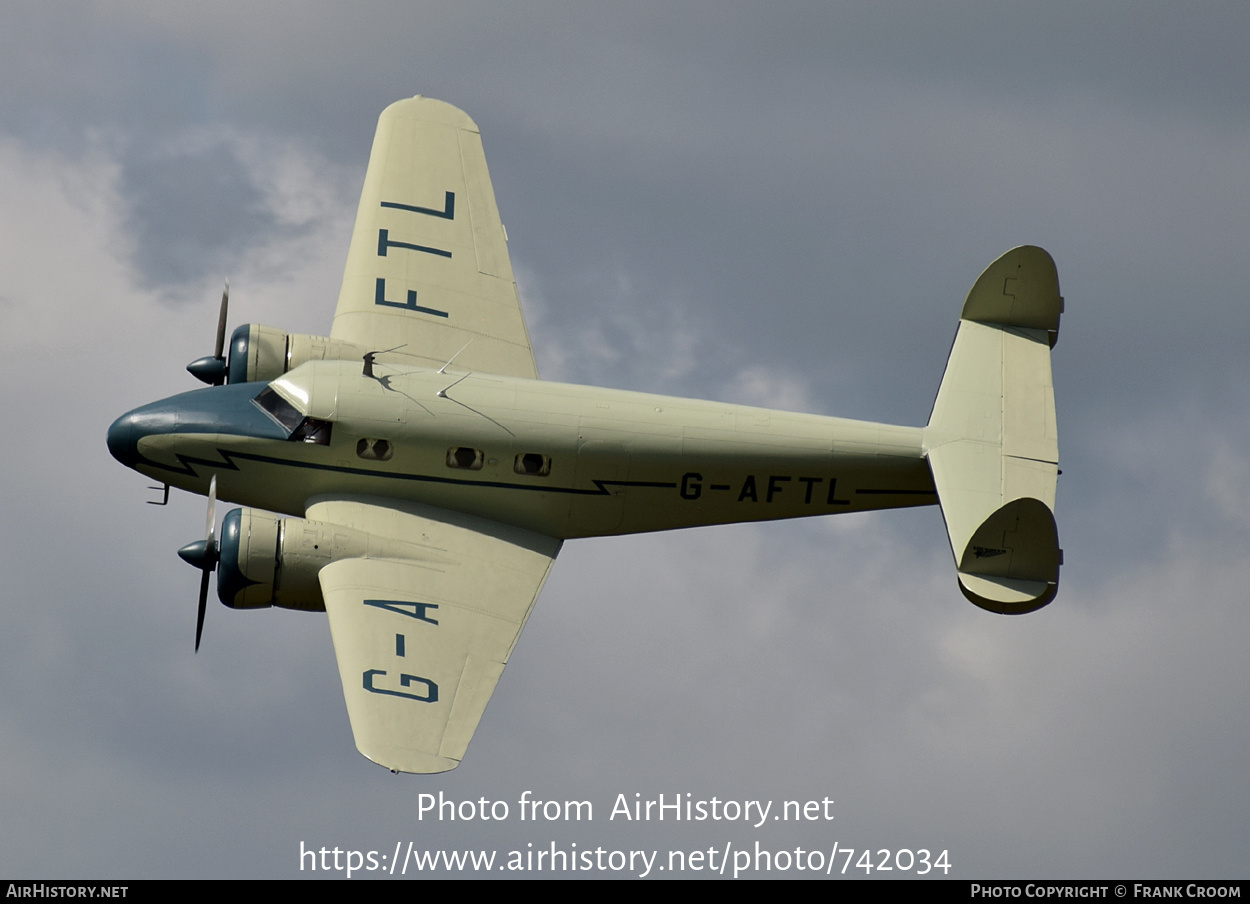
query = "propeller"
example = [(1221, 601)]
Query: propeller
[(213, 369), (204, 554)]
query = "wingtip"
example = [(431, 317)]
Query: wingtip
[(428, 109), (412, 763)]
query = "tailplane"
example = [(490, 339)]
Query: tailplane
[(991, 441)]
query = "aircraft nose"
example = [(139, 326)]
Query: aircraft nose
[(123, 440)]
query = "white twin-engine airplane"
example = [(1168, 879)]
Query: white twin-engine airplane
[(429, 477)]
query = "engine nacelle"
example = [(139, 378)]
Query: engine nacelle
[(263, 353), (271, 561)]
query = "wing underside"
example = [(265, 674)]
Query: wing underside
[(428, 268), (422, 642)]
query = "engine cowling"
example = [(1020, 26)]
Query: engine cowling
[(272, 561), (263, 353)]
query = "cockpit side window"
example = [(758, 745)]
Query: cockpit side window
[(299, 428), (312, 430), (278, 408)]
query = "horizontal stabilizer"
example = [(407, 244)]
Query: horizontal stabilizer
[(992, 443)]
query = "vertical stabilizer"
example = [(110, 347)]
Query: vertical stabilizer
[(992, 443)]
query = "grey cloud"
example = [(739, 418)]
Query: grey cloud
[(192, 214)]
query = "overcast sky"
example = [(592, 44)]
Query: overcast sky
[(780, 204)]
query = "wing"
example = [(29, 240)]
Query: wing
[(428, 266), (422, 642)]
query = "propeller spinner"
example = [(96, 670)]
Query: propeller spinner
[(204, 555)]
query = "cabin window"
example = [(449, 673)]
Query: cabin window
[(532, 463), (464, 458), (375, 449)]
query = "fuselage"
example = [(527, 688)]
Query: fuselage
[(562, 460)]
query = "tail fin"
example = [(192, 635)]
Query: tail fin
[(991, 442)]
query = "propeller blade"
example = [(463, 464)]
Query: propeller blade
[(210, 529), (215, 369), (203, 554), (199, 617), (221, 323)]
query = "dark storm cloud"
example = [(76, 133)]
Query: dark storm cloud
[(192, 214)]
